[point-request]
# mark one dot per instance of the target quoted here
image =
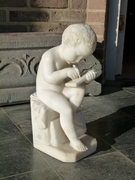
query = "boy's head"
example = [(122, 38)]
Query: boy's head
[(76, 34)]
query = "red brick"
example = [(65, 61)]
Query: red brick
[(100, 39), (2, 16), (97, 4), (48, 28), (98, 29), (76, 17), (13, 3), (12, 28), (49, 3), (28, 16), (79, 4), (96, 17)]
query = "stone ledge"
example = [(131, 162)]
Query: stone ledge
[(16, 95), (93, 89), (28, 40)]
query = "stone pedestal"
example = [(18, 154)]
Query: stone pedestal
[(66, 153), (49, 137)]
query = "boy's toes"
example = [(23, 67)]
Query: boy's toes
[(79, 146)]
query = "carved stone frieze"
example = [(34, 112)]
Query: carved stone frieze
[(19, 71), (20, 54), (25, 65)]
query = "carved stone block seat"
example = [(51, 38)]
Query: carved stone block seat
[(49, 137)]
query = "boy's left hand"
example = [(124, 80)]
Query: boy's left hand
[(90, 76)]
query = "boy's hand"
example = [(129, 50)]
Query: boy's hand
[(73, 72), (90, 76)]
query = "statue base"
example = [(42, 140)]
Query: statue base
[(66, 153), (49, 137)]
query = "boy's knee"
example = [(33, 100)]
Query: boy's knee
[(80, 91), (67, 110)]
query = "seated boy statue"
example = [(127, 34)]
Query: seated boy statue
[(57, 64)]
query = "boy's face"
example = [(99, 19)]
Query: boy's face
[(75, 54)]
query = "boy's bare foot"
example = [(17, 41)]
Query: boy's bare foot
[(78, 145)]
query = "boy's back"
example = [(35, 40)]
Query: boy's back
[(50, 63)]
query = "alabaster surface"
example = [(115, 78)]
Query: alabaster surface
[(58, 125)]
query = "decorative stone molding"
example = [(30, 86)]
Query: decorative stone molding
[(20, 54), (26, 64)]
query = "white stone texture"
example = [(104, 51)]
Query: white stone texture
[(58, 126), (49, 137), (66, 153)]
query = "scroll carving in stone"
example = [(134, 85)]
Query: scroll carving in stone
[(26, 64)]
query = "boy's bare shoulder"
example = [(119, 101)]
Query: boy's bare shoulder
[(49, 56), (51, 53)]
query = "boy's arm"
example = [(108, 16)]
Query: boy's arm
[(54, 76), (51, 74), (87, 78)]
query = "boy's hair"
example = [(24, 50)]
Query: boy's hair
[(79, 33)]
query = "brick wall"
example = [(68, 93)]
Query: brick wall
[(96, 17), (49, 16)]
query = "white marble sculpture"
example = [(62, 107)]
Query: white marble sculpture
[(58, 126)]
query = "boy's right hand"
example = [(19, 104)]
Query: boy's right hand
[(73, 72)]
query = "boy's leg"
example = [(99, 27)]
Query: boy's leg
[(60, 104), (75, 96)]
